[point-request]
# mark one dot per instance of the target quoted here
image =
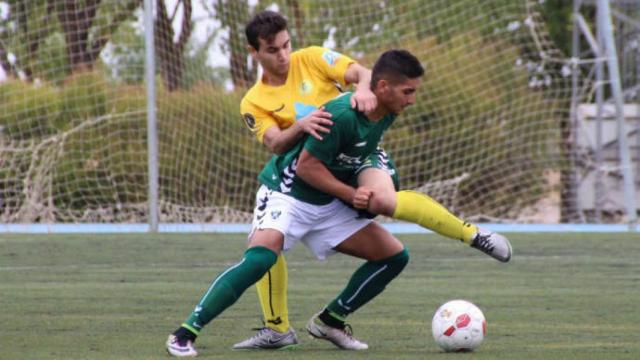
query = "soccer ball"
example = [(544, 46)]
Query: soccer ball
[(458, 325)]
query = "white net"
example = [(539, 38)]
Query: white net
[(485, 137)]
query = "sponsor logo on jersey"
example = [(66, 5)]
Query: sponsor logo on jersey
[(331, 57), (303, 110), (249, 120), (275, 214), (349, 160)]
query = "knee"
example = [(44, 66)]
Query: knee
[(258, 260), (382, 202), (402, 258), (398, 262)]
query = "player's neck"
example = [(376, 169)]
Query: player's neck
[(274, 79), (377, 114)]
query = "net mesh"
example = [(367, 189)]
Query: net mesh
[(485, 136)]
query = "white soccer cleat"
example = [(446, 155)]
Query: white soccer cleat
[(342, 338), (492, 244), (267, 338), (180, 348)]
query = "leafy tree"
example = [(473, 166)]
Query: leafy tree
[(232, 15), (171, 53), (36, 29)]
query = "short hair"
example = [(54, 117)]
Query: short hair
[(395, 66), (264, 25)]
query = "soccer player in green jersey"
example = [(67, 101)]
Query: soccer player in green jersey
[(282, 106), (286, 104), (290, 210)]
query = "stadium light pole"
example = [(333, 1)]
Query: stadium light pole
[(152, 132)]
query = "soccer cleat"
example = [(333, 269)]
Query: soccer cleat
[(267, 338), (180, 347), (492, 244), (342, 338)]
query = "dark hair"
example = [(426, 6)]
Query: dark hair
[(396, 66), (264, 25)]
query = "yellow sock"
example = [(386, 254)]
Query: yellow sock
[(272, 292), (421, 209)]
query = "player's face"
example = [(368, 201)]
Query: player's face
[(398, 97), (274, 55)]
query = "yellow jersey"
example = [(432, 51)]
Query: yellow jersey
[(313, 79)]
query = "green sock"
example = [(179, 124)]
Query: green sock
[(229, 285), (366, 283)]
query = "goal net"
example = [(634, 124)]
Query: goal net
[(486, 137)]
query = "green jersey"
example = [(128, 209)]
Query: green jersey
[(343, 151)]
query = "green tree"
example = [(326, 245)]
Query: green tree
[(171, 53), (54, 35)]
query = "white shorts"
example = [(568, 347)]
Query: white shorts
[(319, 227)]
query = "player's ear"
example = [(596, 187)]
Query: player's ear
[(253, 52), (383, 86)]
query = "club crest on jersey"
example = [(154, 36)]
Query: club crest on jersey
[(331, 57), (249, 120), (306, 87)]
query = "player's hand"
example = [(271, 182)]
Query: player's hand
[(364, 100), (361, 197), (316, 122)]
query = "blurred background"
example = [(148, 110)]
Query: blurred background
[(516, 122)]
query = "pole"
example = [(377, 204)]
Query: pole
[(569, 203), (152, 133), (604, 20), (598, 184)]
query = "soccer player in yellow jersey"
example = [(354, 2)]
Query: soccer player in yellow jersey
[(283, 106), (280, 108)]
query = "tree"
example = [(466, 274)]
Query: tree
[(37, 28), (232, 15), (22, 33), (170, 53), (83, 40)]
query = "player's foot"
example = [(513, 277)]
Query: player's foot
[(180, 347), (342, 338), (267, 338), (492, 244)]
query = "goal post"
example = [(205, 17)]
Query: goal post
[(80, 123)]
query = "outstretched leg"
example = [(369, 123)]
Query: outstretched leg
[(419, 208)]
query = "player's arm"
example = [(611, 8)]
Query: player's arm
[(315, 173), (363, 98), (343, 70), (279, 140)]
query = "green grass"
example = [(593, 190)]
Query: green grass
[(563, 296)]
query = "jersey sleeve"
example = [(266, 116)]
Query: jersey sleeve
[(256, 119), (328, 148), (331, 64)]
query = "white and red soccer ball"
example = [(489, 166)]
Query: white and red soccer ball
[(458, 325)]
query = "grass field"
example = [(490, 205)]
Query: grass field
[(563, 296)]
